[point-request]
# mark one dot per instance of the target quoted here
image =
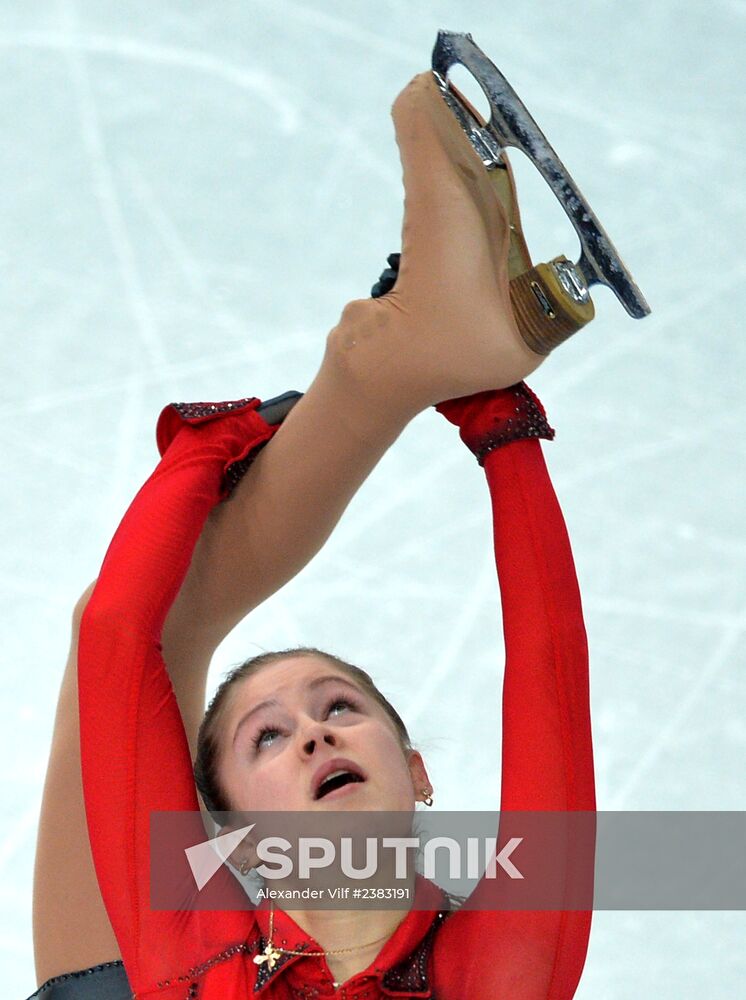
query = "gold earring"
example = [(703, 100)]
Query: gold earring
[(428, 800)]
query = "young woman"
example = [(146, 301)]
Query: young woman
[(236, 507)]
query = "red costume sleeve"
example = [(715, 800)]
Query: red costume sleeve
[(135, 755), (547, 761)]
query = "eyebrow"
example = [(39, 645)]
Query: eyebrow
[(311, 686)]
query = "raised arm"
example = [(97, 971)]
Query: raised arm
[(135, 756), (547, 761)]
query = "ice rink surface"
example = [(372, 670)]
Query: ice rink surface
[(190, 195)]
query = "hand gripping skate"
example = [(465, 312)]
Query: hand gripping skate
[(550, 301)]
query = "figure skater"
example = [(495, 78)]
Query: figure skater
[(236, 507)]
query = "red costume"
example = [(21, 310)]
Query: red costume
[(136, 758)]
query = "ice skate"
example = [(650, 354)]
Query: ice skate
[(550, 301)]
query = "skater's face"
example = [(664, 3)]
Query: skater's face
[(292, 717)]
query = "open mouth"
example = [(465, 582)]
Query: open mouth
[(335, 781)]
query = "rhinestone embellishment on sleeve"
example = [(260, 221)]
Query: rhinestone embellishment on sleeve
[(237, 470), (198, 411), (528, 420)]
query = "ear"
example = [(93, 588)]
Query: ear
[(418, 774), (244, 853)]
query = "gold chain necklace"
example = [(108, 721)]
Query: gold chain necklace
[(272, 953)]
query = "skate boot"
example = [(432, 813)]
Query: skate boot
[(550, 301)]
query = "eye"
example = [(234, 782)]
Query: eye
[(260, 742), (340, 701)]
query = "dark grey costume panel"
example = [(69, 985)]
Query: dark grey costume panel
[(101, 982)]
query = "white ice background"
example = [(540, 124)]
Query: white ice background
[(191, 192)]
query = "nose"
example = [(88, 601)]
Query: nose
[(315, 735)]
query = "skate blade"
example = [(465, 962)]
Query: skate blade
[(511, 124)]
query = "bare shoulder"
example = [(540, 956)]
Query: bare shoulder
[(81, 604)]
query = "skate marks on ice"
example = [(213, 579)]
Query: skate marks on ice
[(132, 281)]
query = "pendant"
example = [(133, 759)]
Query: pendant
[(271, 956)]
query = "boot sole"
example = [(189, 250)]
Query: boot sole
[(544, 313)]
